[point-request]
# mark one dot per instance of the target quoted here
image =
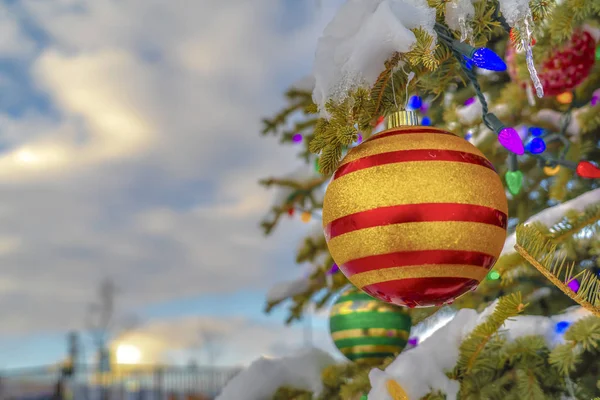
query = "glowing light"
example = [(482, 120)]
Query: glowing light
[(297, 138), (514, 181), (426, 121), (305, 217), (586, 169), (536, 145), (550, 170), (565, 98), (128, 354), (509, 138), (487, 59), (415, 102), (573, 285), (562, 327), (536, 131), (334, 269), (494, 275)]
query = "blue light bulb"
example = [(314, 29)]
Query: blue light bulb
[(487, 59), (536, 145), (468, 63), (415, 102), (536, 131), (426, 121), (562, 327)]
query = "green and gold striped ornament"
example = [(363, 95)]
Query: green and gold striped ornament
[(368, 330)]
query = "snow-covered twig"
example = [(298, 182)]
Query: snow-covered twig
[(262, 379), (552, 215), (360, 38), (439, 353)]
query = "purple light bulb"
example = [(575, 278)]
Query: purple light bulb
[(297, 138), (334, 269), (509, 138), (469, 101), (573, 285)]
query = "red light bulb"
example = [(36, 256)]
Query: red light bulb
[(586, 169)]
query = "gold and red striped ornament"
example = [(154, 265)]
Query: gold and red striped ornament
[(415, 216)]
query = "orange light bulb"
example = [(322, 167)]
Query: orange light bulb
[(305, 217), (565, 98)]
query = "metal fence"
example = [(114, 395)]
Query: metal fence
[(133, 383)]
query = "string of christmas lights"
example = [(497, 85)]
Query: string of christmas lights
[(508, 137)]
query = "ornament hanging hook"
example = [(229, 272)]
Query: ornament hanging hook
[(410, 75)]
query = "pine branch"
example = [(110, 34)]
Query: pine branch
[(472, 347), (582, 336), (589, 119), (567, 15), (423, 51), (301, 194), (571, 225), (541, 253), (528, 385)]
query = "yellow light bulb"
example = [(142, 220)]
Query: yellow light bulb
[(396, 391), (565, 98), (305, 217), (551, 171)]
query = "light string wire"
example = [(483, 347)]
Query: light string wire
[(446, 37)]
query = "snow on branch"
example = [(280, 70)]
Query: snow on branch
[(552, 215), (360, 38), (262, 379), (440, 352)]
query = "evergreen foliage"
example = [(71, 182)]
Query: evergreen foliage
[(547, 256)]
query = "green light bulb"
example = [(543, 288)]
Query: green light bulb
[(598, 53), (514, 181), (494, 275)]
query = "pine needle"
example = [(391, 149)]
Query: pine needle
[(472, 347), (540, 252)]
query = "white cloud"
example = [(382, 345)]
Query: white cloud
[(146, 167), (235, 341)]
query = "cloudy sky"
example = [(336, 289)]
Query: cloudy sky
[(130, 149)]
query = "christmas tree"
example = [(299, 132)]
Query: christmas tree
[(511, 87)]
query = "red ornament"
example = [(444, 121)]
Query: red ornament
[(291, 211), (586, 169), (565, 69), (406, 218)]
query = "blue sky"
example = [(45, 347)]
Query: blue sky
[(130, 150)]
